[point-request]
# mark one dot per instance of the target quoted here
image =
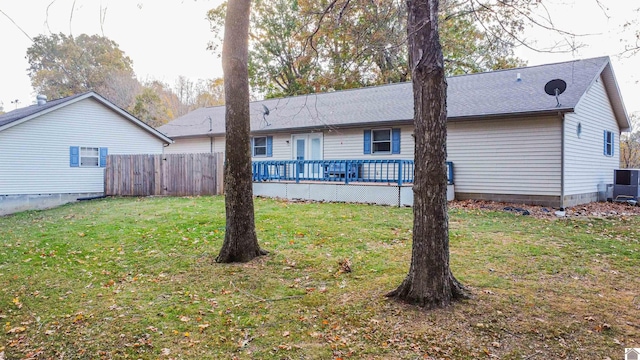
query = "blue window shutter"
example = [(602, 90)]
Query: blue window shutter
[(395, 141), (74, 156), (269, 146), (604, 147), (367, 141), (103, 157)]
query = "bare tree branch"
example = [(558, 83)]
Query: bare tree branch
[(517, 38), (103, 15), (73, 6), (18, 26), (46, 21)]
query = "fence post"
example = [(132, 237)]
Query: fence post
[(219, 173)]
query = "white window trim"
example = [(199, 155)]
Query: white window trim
[(253, 147), (390, 141), (80, 156), (609, 136)]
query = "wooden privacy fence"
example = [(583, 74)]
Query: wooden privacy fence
[(170, 174)]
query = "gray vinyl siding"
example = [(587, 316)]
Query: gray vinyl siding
[(189, 145), (35, 153), (218, 144), (586, 166), (513, 156), (196, 145), (281, 148), (348, 144), (340, 144)]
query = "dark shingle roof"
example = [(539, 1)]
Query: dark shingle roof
[(24, 112), (482, 95)]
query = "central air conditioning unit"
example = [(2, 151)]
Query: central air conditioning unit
[(626, 184)]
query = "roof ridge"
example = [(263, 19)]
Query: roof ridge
[(408, 82), (532, 66)]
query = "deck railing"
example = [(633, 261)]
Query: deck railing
[(346, 171)]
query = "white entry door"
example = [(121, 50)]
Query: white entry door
[(308, 147)]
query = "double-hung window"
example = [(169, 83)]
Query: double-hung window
[(608, 143), (262, 146), (89, 157), (381, 141), (81, 156)]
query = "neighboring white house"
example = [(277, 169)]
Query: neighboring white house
[(55, 152), (507, 138)]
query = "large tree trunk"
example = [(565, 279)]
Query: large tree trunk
[(430, 282), (240, 240)]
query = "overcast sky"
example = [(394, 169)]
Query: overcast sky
[(168, 38)]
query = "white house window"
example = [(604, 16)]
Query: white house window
[(381, 141), (89, 157), (608, 143), (260, 146)]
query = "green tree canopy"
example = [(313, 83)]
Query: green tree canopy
[(61, 65), (298, 47)]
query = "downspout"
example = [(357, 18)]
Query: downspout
[(562, 123)]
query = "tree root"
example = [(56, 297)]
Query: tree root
[(426, 299), (226, 258)]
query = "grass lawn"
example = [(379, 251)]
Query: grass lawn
[(135, 278)]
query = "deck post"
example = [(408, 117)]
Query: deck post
[(399, 172), (347, 168)]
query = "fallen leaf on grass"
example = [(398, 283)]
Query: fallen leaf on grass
[(49, 332), (17, 330), (79, 317), (345, 265), (202, 327), (603, 327), (165, 351), (184, 319), (244, 342), (17, 303)]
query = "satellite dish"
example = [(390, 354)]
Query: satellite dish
[(555, 87), (265, 113)]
